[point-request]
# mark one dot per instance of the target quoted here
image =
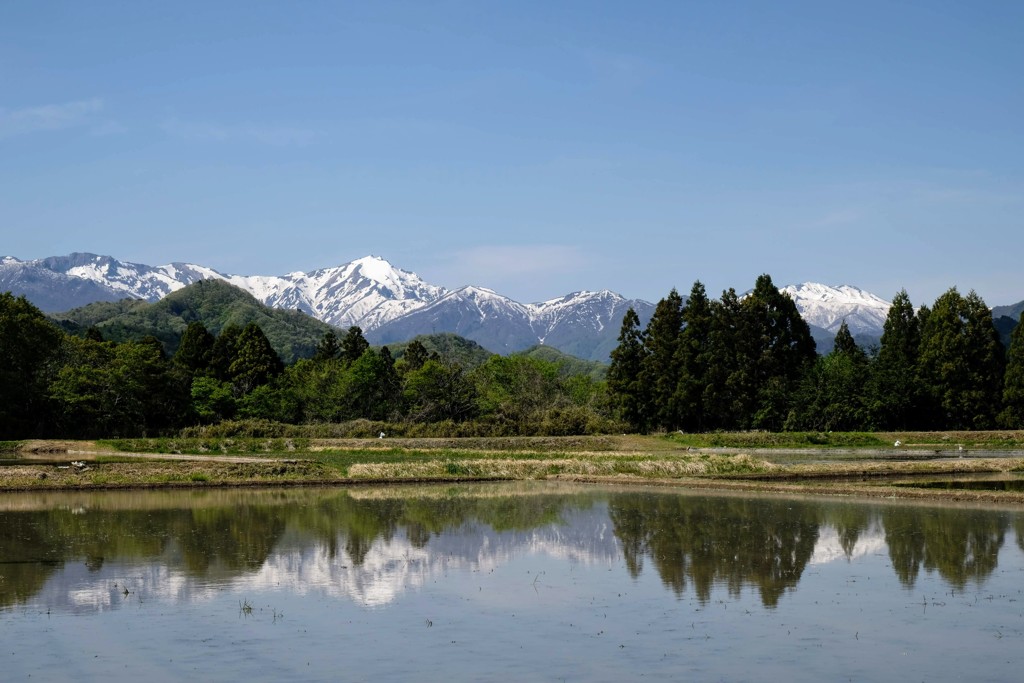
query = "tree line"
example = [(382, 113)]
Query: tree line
[(58, 385), (735, 363), (749, 362)]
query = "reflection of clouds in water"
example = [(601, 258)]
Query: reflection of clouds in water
[(829, 547), (389, 569), (393, 567)]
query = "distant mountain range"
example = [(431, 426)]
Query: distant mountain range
[(393, 305)]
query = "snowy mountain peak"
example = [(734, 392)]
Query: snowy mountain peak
[(578, 297), (392, 305), (827, 307), (377, 269), (477, 292)]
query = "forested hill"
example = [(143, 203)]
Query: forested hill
[(213, 303), (452, 347)]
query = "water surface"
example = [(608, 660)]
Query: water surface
[(505, 582)]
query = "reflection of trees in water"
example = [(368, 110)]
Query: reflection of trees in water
[(691, 541), (33, 545), (26, 559), (850, 520), (963, 545), (239, 537), (236, 538), (730, 541)]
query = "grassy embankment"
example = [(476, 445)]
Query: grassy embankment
[(848, 462)]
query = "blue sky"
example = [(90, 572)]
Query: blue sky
[(536, 148)]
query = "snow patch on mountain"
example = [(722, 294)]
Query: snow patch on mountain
[(827, 307), (392, 305)]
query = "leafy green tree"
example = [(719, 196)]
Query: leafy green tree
[(319, 389), (833, 394), (660, 368), (79, 389), (1012, 415), (439, 390), (515, 391), (212, 399), (961, 362), (108, 390), (629, 395), (895, 392), (160, 394), (692, 359), (255, 363), (274, 401), (372, 389), (353, 345), (29, 345)]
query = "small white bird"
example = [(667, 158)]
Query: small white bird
[(381, 435), (898, 443)]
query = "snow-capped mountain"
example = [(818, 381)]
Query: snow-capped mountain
[(367, 292), (585, 324), (393, 305), (388, 303), (494, 321), (827, 307)]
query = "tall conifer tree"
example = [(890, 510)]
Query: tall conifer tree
[(692, 359), (194, 351), (895, 390), (624, 385), (255, 362), (727, 379), (328, 348), (353, 344), (29, 344), (832, 393), (659, 371), (961, 362), (779, 348), (987, 359), (1012, 416)]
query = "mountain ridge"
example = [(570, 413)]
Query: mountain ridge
[(391, 304)]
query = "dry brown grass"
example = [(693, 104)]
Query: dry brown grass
[(512, 468)]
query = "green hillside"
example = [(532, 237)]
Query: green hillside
[(214, 303), (567, 364), (464, 351)]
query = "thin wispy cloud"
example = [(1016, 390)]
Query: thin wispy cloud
[(48, 117), (275, 136)]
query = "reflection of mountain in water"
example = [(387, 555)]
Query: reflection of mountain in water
[(383, 568), (372, 547), (396, 565), (831, 546)]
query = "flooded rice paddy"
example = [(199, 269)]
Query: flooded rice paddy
[(524, 581)]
